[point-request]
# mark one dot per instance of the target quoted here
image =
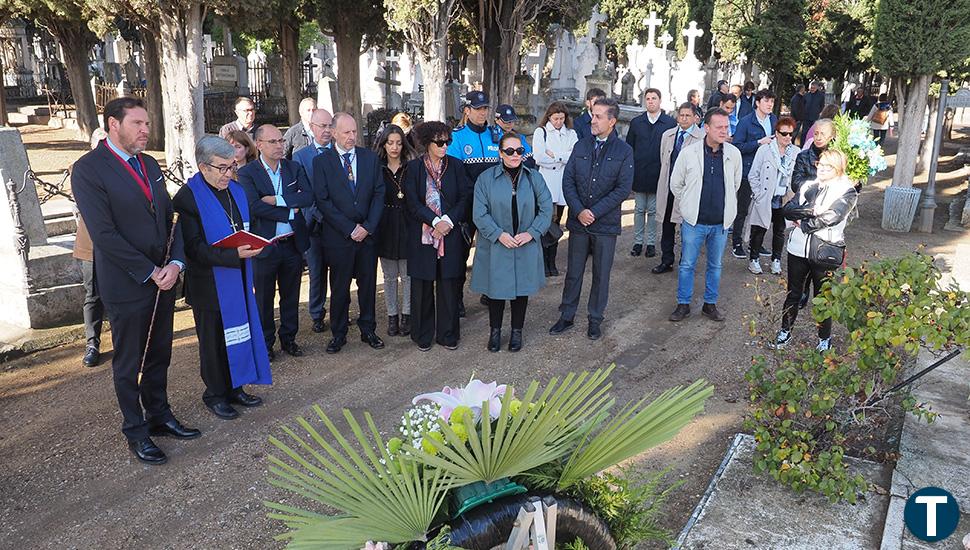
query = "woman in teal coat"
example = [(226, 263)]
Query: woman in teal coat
[(512, 209)]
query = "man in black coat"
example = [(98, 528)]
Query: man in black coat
[(348, 189), (644, 136), (859, 104), (121, 195), (597, 179), (814, 102), (277, 189), (797, 106)]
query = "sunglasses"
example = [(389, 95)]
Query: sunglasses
[(786, 134), (516, 151), (442, 142)]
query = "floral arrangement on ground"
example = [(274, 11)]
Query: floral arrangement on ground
[(468, 458)]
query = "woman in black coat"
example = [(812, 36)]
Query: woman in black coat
[(394, 151), (437, 191)]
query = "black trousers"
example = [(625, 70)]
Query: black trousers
[(777, 236), (285, 269), (93, 308), (800, 272), (317, 265), (496, 312), (744, 202), (434, 310), (582, 245), (668, 229), (347, 263), (213, 360), (129, 334)]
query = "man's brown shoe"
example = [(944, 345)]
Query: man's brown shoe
[(711, 311)]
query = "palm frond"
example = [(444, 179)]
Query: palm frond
[(380, 497), (634, 430), (543, 429)]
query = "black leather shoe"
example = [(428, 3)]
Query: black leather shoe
[(662, 268), (593, 331), (292, 348), (223, 410), (484, 300), (405, 324), (319, 325), (147, 452), (562, 325), (636, 250), (271, 354), (174, 428), (682, 312), (246, 400), (515, 340), (393, 325), (651, 251), (711, 312), (494, 340), (335, 345), (372, 340), (92, 357), (461, 309)]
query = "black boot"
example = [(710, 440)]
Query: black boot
[(551, 269), (393, 329), (405, 324), (494, 339), (545, 260), (515, 340)]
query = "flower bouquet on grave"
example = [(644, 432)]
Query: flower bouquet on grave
[(854, 139), (466, 461)]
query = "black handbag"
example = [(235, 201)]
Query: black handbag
[(825, 254)]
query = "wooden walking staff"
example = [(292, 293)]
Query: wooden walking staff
[(158, 295)]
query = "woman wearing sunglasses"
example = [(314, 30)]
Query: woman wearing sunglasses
[(770, 179), (437, 192), (820, 211), (512, 209)]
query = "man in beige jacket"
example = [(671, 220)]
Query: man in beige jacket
[(705, 181), (672, 143)]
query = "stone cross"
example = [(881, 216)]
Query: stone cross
[(466, 76), (601, 41), (652, 23), (665, 40), (692, 33), (388, 81)]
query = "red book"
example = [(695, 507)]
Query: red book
[(241, 237)]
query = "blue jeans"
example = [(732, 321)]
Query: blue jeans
[(692, 237)]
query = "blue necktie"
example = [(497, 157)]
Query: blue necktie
[(319, 150), (349, 167), (598, 150), (680, 140), (133, 161)]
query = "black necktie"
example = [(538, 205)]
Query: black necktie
[(133, 161), (598, 149)]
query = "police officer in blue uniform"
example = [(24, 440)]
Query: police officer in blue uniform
[(476, 145), (505, 118)]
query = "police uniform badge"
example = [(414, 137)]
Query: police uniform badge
[(468, 149)]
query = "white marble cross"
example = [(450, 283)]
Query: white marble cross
[(692, 33), (652, 23), (467, 76), (665, 39)]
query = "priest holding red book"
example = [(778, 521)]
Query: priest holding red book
[(219, 281)]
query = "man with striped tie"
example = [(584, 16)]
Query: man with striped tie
[(348, 190), (673, 140)]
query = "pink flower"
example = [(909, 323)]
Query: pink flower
[(471, 396)]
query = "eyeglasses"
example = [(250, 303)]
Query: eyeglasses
[(516, 151), (442, 142), (318, 125), (273, 141), (786, 134), (222, 169)]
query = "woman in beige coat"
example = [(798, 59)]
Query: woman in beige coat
[(770, 179)]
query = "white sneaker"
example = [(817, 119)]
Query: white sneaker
[(823, 345), (781, 339), (776, 267), (755, 267)]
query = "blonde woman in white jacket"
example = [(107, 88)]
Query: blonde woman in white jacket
[(770, 179), (552, 143), (821, 209)]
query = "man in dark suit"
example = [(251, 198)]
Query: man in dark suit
[(300, 135), (753, 131), (121, 195), (644, 136), (597, 179), (321, 125), (349, 196), (277, 189), (582, 122)]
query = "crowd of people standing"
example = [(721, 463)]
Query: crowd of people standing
[(414, 204)]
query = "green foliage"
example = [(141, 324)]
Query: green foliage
[(775, 38), (631, 504), (806, 407), (838, 39), (921, 37)]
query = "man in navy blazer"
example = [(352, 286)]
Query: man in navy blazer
[(348, 188), (321, 127), (753, 131), (276, 189), (644, 136), (121, 195)]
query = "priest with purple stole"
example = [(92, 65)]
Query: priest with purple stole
[(232, 351)]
